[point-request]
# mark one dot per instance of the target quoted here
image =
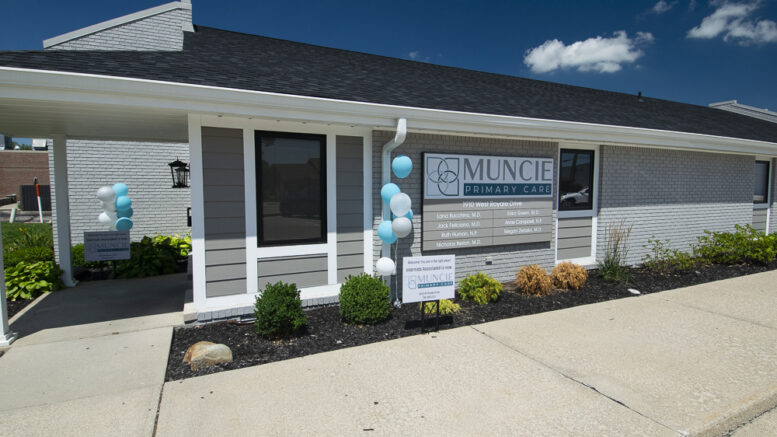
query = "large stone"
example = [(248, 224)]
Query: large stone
[(205, 354)]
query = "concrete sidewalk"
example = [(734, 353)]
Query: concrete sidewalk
[(700, 360)]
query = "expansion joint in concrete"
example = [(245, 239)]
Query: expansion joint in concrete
[(575, 380)]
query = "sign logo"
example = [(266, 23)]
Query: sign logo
[(442, 176)]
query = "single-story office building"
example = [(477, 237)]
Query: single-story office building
[(290, 144)]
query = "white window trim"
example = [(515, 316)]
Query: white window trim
[(768, 203), (592, 213)]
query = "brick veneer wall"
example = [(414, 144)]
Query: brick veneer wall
[(670, 194), (506, 260), (19, 167)]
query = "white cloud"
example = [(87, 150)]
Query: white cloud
[(599, 54), (415, 54), (732, 21), (662, 6)]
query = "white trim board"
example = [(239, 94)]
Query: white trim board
[(135, 16), (52, 86)]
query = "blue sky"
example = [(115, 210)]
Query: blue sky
[(690, 51)]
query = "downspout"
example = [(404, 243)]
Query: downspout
[(385, 178)]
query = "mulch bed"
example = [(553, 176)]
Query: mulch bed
[(15, 306), (327, 332)]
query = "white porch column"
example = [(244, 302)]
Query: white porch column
[(199, 293), (6, 336), (62, 206)]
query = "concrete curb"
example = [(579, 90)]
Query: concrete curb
[(28, 307), (748, 411)]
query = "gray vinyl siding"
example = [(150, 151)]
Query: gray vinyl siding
[(350, 207), (504, 260), (225, 246), (773, 194), (759, 219), (574, 238), (671, 195), (305, 271)]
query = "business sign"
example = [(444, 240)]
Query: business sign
[(106, 245), (426, 278), (479, 201), (478, 176)]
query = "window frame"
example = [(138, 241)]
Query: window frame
[(322, 139), (591, 182), (767, 198)]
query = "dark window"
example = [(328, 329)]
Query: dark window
[(291, 196), (761, 194), (576, 180)]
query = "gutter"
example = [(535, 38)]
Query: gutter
[(385, 177)]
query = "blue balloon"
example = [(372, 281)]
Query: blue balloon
[(409, 215), (120, 189), (388, 191), (123, 224), (124, 213), (402, 166), (123, 203), (385, 233)]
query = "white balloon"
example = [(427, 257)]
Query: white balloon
[(401, 226), (385, 267), (109, 206), (400, 204), (106, 194), (107, 218)]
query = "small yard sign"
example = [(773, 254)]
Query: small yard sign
[(106, 245), (426, 278)]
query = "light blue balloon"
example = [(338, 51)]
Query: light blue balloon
[(123, 224), (402, 166), (385, 233), (120, 189), (388, 191), (123, 203), (124, 213), (409, 215)]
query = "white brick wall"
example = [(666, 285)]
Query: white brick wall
[(506, 259), (675, 195), (159, 32), (158, 208)]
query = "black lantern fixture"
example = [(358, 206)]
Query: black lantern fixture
[(180, 173)]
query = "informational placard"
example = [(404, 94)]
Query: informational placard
[(106, 245), (478, 201), (426, 278)]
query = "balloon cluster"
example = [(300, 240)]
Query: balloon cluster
[(117, 207), (399, 202)]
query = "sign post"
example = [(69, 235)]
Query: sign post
[(426, 279)]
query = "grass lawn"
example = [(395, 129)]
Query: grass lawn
[(11, 231)]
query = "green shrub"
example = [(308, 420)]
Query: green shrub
[(28, 255), (278, 311), (183, 245), (661, 259), (613, 266), (148, 258), (364, 300), (745, 245), (480, 288), (447, 306), (30, 280), (77, 252)]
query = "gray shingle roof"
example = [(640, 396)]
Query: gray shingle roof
[(236, 60)]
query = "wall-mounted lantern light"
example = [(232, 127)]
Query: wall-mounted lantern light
[(180, 174)]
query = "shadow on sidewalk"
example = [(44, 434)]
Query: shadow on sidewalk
[(101, 301)]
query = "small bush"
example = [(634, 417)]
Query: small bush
[(30, 280), (745, 245), (568, 276), (480, 288), (77, 252), (148, 258), (447, 306), (278, 311), (364, 300), (183, 245), (613, 266), (661, 259), (533, 280), (28, 255)]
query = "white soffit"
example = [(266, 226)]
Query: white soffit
[(178, 99)]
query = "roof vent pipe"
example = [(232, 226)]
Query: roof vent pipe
[(398, 139)]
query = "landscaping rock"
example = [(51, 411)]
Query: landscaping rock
[(206, 354)]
